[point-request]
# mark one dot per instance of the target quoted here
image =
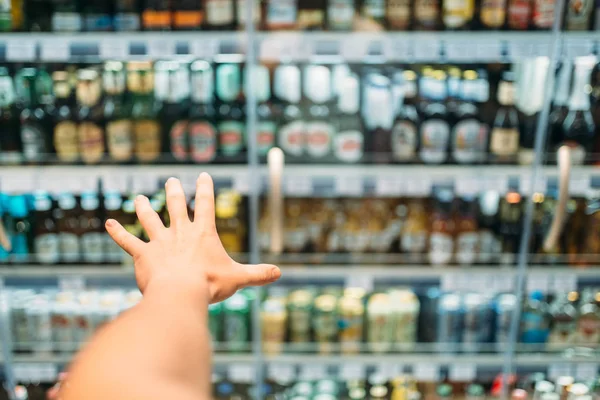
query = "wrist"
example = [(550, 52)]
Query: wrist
[(168, 289)]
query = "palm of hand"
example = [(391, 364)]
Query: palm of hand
[(187, 253)]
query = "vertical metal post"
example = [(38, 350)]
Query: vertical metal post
[(6, 344), (540, 141), (254, 188)]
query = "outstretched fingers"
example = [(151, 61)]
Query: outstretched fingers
[(176, 203), (148, 217), (124, 239), (204, 212), (258, 275)]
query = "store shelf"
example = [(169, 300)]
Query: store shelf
[(294, 46)]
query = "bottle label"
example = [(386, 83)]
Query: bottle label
[(534, 328), (98, 22), (291, 138), (66, 22), (588, 330), (265, 137), (179, 146), (543, 13), (404, 141), (563, 333), (92, 244), (493, 13), (398, 14), (413, 242), (348, 146), (231, 137), (406, 327), (457, 12), (32, 137), (357, 241), (69, 246), (469, 141), (147, 140), (114, 253), (427, 11), (441, 247), (295, 239), (504, 142), (489, 247), (120, 145), (435, 134), (318, 139), (152, 19), (127, 22), (241, 11), (203, 141), (281, 13), (66, 141), (91, 142), (189, 19), (374, 9), (578, 14), (236, 329), (219, 12), (46, 247), (340, 14), (309, 19), (518, 14), (466, 248)]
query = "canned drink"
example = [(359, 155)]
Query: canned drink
[(63, 322), (215, 321), (325, 324), (236, 315), (450, 316), (506, 305), (300, 306), (477, 320), (380, 329), (273, 318), (39, 323), (405, 314), (351, 313), (19, 300)]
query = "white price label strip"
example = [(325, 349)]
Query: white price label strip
[(427, 50), (388, 186), (467, 186), (390, 371), (21, 50), (312, 372), (144, 183), (489, 50), (579, 185), (586, 371), (115, 182), (557, 370), (55, 50), (23, 182), (349, 186), (114, 49), (71, 283), (241, 184), (427, 372), (418, 187), (564, 282), (352, 371), (204, 48), (501, 283), (35, 372), (241, 373), (538, 282), (360, 281), (298, 185), (160, 48), (285, 372), (462, 372)]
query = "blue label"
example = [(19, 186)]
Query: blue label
[(127, 22), (534, 328), (98, 22)]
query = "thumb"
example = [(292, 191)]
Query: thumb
[(258, 275)]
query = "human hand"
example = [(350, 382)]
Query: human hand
[(187, 254)]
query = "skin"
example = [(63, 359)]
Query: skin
[(160, 349)]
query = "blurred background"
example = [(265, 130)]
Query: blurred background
[(425, 172)]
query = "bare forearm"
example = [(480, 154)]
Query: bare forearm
[(161, 345)]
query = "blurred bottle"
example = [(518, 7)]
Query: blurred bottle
[(443, 229), (427, 15), (112, 207), (399, 15), (450, 320), (117, 113), (202, 133), (377, 114), (291, 131), (266, 124), (510, 227), (504, 139), (46, 244), (174, 112), (92, 240), (588, 323), (534, 321), (469, 137), (311, 15), (319, 130), (579, 15), (532, 89), (281, 14), (66, 140), (559, 110), (97, 15), (489, 243), (10, 140), (241, 13), (434, 129), (127, 15), (373, 11), (90, 115), (493, 14), (219, 15), (563, 321), (156, 15), (66, 16), (505, 307), (69, 229), (231, 120), (405, 136), (348, 142), (5, 16), (458, 14), (542, 15), (188, 15), (519, 14), (467, 237)]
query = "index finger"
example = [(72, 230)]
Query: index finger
[(204, 210)]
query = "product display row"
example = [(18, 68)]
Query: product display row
[(305, 15), (327, 113)]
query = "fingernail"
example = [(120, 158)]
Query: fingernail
[(275, 273), (203, 176), (140, 198), (172, 179), (110, 222)]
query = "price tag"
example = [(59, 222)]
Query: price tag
[(114, 49), (586, 371), (298, 186), (460, 51), (501, 283), (449, 283), (538, 281), (115, 182), (388, 186), (311, 372), (354, 48), (48, 373), (466, 186), (495, 183), (285, 372), (519, 49), (541, 50), (564, 282), (489, 50), (418, 187), (427, 50), (398, 50), (22, 182), (241, 373), (463, 372), (562, 369), (144, 183), (349, 186), (578, 48), (71, 283), (161, 48), (363, 281), (55, 50), (427, 372), (352, 371), (205, 48), (579, 185), (21, 50)]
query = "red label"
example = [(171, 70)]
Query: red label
[(202, 141)]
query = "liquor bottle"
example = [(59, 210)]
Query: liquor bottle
[(311, 15), (92, 236), (467, 232), (156, 15), (542, 15), (434, 132), (66, 140), (563, 321), (188, 15), (468, 137), (68, 227), (202, 133), (441, 237), (399, 15), (5, 16), (579, 128), (66, 16), (492, 14), (146, 129), (46, 244), (265, 125), (127, 15), (510, 227), (427, 15), (34, 137), (504, 139), (374, 12), (489, 240), (530, 102), (90, 116), (112, 207), (348, 142), (319, 130), (588, 323), (487, 109), (219, 15), (559, 111), (230, 127), (241, 13), (454, 87), (579, 15), (413, 242), (117, 113), (340, 15), (291, 132), (98, 15), (519, 14), (405, 130), (378, 117), (535, 321), (173, 114), (458, 14), (10, 140), (281, 15), (38, 15)]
